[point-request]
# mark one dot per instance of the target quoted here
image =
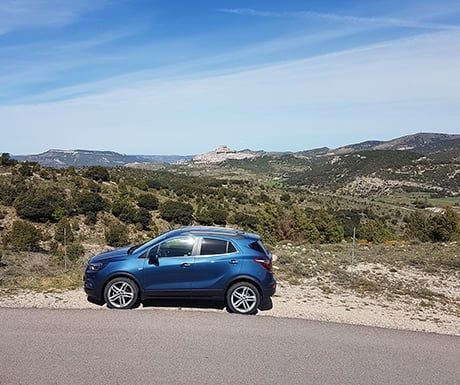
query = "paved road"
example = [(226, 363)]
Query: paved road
[(40, 346)]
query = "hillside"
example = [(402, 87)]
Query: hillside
[(422, 163), (402, 205), (422, 143)]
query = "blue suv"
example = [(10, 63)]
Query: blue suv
[(191, 262)]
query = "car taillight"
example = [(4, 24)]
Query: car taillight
[(265, 263)]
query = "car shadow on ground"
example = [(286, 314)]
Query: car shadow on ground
[(184, 303)]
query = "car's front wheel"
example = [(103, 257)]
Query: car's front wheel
[(121, 293), (243, 298)]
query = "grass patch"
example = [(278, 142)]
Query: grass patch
[(38, 272), (376, 270)]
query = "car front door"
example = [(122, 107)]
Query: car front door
[(167, 270)]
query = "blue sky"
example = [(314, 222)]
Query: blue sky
[(182, 77)]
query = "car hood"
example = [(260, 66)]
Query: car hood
[(111, 255)]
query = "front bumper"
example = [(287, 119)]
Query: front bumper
[(93, 292)]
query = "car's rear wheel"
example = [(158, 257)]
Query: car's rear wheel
[(121, 293), (243, 298)]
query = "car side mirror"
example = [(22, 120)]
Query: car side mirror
[(153, 257)]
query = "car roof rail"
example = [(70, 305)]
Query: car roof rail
[(212, 230)]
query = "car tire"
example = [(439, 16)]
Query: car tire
[(121, 293), (243, 298)]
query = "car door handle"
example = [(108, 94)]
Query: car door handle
[(186, 264), (233, 262)]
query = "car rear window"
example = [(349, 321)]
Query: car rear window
[(258, 246), (211, 246)]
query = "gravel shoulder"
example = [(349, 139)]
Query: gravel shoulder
[(300, 301)]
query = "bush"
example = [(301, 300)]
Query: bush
[(41, 204), (148, 201), (417, 226), (63, 232), (5, 160), (374, 230), (246, 221), (7, 192), (285, 197), (143, 218), (75, 251), (97, 173), (127, 213), (24, 236), (90, 202), (215, 216), (330, 230), (177, 212), (116, 234), (219, 216), (444, 227)]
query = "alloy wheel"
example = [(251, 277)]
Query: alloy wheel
[(121, 293), (244, 298)]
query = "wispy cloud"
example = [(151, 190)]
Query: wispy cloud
[(19, 14), (341, 18)]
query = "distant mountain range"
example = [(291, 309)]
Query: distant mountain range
[(420, 143), (82, 158)]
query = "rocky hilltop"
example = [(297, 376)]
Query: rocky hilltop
[(222, 154)]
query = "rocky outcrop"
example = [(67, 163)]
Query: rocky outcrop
[(221, 154)]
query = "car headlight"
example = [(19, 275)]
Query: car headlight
[(95, 266)]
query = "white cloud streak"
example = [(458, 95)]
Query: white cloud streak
[(339, 18)]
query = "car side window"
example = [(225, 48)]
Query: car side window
[(176, 247), (211, 246)]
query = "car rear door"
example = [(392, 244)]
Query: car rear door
[(215, 264)]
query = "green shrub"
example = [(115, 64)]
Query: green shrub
[(246, 221), (374, 230), (439, 227), (417, 226), (5, 160), (75, 251), (148, 201), (23, 236), (63, 232), (90, 202), (444, 227), (40, 204), (116, 234), (177, 212), (97, 173), (214, 216), (143, 218)]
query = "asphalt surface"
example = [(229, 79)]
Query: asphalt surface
[(44, 346)]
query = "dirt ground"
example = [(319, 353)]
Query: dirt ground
[(305, 301)]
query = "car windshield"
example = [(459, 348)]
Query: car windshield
[(133, 248)]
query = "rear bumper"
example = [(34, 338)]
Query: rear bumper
[(269, 291)]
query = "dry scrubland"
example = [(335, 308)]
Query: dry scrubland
[(398, 285)]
